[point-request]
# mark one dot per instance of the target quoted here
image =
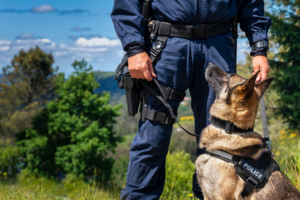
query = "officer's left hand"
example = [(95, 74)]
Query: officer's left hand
[(261, 64)]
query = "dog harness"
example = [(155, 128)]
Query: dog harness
[(255, 173)]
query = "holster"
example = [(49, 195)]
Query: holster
[(132, 94)]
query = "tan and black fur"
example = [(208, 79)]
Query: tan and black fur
[(237, 101)]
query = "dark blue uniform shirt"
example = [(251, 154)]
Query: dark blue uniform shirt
[(130, 25)]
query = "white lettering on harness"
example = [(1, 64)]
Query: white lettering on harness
[(253, 171)]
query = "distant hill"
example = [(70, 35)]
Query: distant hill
[(107, 83)]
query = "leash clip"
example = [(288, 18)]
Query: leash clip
[(269, 147), (269, 144)]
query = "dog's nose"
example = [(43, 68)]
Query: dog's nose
[(209, 69), (211, 64)]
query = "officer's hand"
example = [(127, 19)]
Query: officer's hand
[(140, 66), (261, 64)]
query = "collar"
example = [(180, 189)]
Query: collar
[(228, 126)]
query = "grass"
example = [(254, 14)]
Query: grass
[(29, 187)]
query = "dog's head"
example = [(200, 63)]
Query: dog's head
[(237, 98)]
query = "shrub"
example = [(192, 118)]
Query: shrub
[(74, 132), (8, 160)]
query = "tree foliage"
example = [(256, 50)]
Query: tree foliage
[(74, 132), (285, 33), (25, 85)]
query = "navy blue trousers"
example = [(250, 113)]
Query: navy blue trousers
[(182, 66)]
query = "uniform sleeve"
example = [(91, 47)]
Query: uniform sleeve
[(128, 22), (252, 20)]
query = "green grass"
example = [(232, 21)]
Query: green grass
[(29, 187)]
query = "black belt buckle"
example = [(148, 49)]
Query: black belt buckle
[(200, 31)]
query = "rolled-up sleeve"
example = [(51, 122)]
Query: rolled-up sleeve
[(128, 22), (252, 20)]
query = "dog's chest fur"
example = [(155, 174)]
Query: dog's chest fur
[(217, 178)]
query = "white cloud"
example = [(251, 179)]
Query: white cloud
[(96, 42), (42, 9), (95, 50), (4, 48), (4, 42)]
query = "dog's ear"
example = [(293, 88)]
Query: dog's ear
[(263, 86), (248, 87)]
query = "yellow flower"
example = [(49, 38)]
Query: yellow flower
[(293, 135), (191, 195)]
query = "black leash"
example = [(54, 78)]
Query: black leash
[(162, 98)]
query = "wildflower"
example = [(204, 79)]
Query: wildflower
[(191, 195)]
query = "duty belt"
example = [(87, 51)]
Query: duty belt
[(201, 31), (164, 30)]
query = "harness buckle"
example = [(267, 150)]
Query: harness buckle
[(250, 184), (252, 181), (269, 145), (229, 127), (159, 45)]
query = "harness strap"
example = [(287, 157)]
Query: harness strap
[(156, 116), (249, 186), (172, 94), (162, 98), (227, 157), (228, 126), (157, 48), (250, 183)]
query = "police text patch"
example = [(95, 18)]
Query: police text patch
[(253, 171)]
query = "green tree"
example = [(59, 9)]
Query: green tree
[(285, 33), (74, 132), (25, 86)]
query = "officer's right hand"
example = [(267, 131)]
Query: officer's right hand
[(140, 66)]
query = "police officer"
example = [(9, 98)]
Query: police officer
[(181, 67)]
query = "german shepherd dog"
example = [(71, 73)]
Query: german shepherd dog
[(236, 101)]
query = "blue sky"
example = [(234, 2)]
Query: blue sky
[(69, 29)]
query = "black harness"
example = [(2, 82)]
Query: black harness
[(255, 173)]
